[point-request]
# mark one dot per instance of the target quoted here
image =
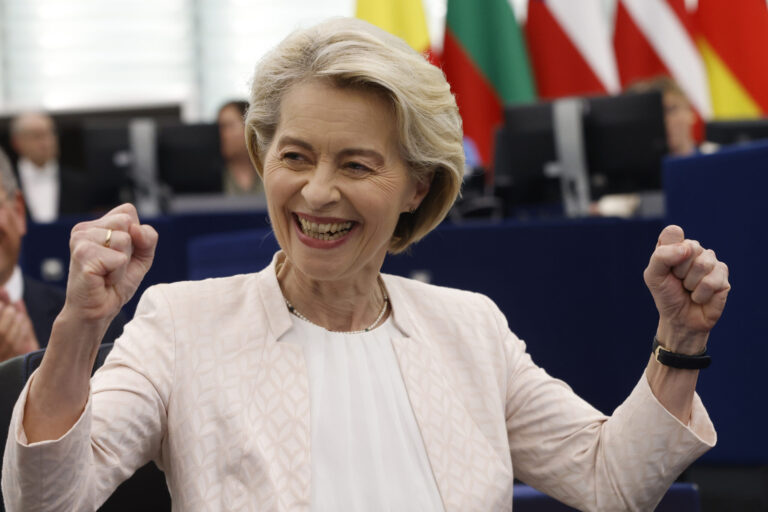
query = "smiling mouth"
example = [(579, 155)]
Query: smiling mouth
[(319, 231)]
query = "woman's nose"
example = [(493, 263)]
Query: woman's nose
[(321, 189)]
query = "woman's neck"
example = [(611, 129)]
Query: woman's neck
[(350, 304)]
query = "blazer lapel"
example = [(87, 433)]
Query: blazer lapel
[(469, 473), (282, 398)]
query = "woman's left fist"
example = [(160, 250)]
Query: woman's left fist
[(689, 286)]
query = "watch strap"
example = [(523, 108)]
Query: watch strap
[(681, 361)]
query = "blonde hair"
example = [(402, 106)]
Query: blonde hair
[(353, 53), (661, 83)]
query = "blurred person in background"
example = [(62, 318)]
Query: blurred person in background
[(50, 189), (27, 307), (240, 177), (679, 116), (679, 119)]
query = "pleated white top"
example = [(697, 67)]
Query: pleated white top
[(366, 449)]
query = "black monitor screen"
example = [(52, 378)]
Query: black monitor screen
[(189, 159), (107, 158), (525, 144), (737, 131), (625, 140)]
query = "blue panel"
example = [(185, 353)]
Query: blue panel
[(679, 498), (720, 199), (231, 253)]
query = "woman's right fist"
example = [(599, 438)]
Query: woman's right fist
[(109, 258)]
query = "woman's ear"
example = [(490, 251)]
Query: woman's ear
[(421, 191)]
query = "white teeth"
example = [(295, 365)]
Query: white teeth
[(331, 231)]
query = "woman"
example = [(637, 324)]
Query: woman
[(240, 177), (318, 383)]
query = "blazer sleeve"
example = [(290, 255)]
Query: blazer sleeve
[(566, 448), (121, 428)]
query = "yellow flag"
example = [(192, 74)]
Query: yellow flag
[(403, 18)]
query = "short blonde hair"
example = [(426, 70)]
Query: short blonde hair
[(661, 83), (353, 53)]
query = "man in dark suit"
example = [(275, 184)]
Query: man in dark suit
[(50, 190), (27, 307)]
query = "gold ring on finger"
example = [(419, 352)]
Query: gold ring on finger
[(108, 239)]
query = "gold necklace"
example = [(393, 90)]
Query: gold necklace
[(298, 313)]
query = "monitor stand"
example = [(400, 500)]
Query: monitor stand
[(571, 164), (142, 137)]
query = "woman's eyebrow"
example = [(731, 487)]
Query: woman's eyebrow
[(368, 153), (288, 140)]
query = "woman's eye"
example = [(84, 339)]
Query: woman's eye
[(357, 167), (292, 156), (295, 160)]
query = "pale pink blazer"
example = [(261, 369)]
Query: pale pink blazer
[(201, 383)]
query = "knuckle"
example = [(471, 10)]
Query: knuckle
[(78, 236), (81, 252), (123, 238), (703, 265), (707, 285)]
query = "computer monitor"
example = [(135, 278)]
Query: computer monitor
[(189, 158), (107, 161), (525, 145), (737, 131), (624, 141)]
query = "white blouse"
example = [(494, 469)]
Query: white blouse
[(366, 448)]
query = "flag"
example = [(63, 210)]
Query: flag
[(734, 45), (485, 61), (403, 18), (570, 48), (656, 37)]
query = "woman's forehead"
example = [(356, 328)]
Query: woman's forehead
[(316, 111)]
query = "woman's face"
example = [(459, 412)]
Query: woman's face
[(335, 182), (679, 120), (232, 133)]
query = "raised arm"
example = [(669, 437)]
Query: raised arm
[(109, 258), (563, 446), (689, 286)]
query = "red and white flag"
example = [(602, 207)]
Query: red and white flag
[(655, 37), (570, 48)]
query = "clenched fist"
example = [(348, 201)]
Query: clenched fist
[(109, 258), (689, 286)]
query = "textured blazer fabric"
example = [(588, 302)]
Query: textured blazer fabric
[(200, 383), (44, 302)]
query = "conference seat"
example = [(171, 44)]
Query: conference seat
[(228, 254), (146, 490)]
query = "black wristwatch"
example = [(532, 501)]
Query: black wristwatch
[(682, 361)]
